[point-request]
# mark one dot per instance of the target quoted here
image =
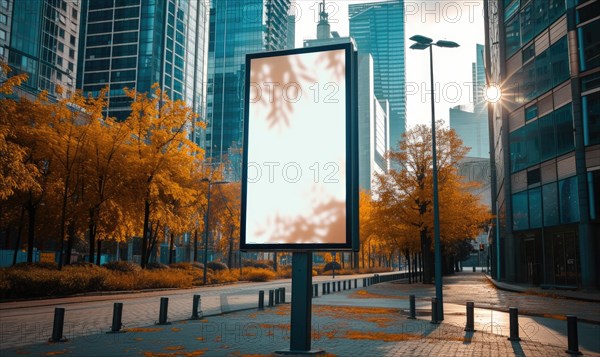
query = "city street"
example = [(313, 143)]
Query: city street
[(345, 323), (27, 322)]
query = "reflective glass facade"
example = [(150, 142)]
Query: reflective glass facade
[(378, 29), (545, 140), (237, 28), (39, 37), (136, 43)]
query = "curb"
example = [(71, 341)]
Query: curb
[(535, 314)]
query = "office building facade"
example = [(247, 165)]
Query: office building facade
[(136, 43), (39, 37), (545, 140), (237, 28), (378, 29)]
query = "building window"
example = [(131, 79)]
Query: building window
[(568, 199), (520, 211), (563, 121), (550, 199), (591, 118), (72, 53), (3, 19), (531, 112), (512, 36), (589, 45), (518, 150), (2, 35), (548, 144), (535, 207), (74, 14), (73, 40), (61, 33)]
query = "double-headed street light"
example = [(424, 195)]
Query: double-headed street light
[(206, 220), (421, 43)]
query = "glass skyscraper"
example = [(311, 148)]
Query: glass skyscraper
[(545, 140), (136, 43), (378, 29), (39, 37), (237, 28)]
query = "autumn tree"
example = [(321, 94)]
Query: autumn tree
[(405, 194), (163, 155)]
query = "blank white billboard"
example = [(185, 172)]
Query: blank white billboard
[(296, 150)]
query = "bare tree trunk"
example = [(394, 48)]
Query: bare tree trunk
[(145, 233), (92, 235), (196, 245), (18, 237), (71, 234), (99, 253), (410, 269), (31, 210), (171, 246)]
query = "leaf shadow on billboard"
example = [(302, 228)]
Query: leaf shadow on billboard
[(327, 223), (289, 70)]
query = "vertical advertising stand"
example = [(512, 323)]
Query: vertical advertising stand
[(300, 164)]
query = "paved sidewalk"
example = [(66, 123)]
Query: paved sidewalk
[(27, 322), (361, 322)]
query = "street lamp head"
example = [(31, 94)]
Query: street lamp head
[(449, 44), (418, 46), (421, 39)]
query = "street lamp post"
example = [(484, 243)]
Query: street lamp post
[(421, 43), (206, 220)]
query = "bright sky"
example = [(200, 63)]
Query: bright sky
[(459, 21)]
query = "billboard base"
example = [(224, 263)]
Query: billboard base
[(300, 334)]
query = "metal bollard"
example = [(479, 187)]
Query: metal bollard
[(328, 288), (364, 282), (196, 304), (339, 286), (355, 283), (344, 284), (334, 286), (316, 290), (514, 324), (163, 313), (261, 300), (324, 291), (271, 298), (434, 311), (473, 269), (413, 310), (277, 296), (572, 337), (282, 295), (470, 317), (57, 327), (117, 317)]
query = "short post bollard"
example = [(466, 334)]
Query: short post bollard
[(277, 296), (473, 269), (339, 285), (514, 324), (334, 286), (413, 310), (344, 284), (282, 295), (316, 289), (434, 311), (261, 300), (271, 298), (196, 305), (328, 288), (57, 327), (355, 283), (364, 282), (324, 291), (573, 339), (163, 313), (470, 317), (117, 317)]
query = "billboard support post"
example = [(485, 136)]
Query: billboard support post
[(300, 338)]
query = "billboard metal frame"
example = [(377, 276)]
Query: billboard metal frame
[(352, 189)]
